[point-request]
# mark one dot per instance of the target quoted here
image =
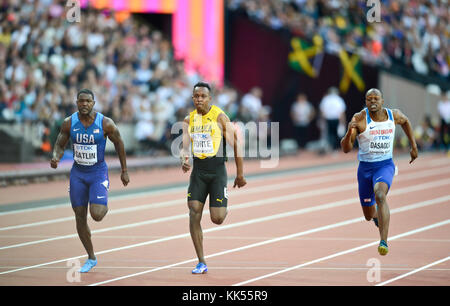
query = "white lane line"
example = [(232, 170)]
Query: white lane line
[(289, 197), (247, 191), (241, 192), (414, 271), (64, 268), (418, 230), (295, 175), (323, 228), (287, 214), (425, 164)]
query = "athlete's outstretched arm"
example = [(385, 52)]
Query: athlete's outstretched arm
[(61, 142), (231, 137), (112, 132), (401, 119)]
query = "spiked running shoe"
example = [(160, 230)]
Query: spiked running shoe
[(383, 248), (200, 268), (88, 265)]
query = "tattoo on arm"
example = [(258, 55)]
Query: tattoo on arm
[(62, 140)]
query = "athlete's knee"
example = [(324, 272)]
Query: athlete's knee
[(97, 217), (218, 216), (80, 214), (380, 197), (195, 209), (97, 213), (368, 218), (217, 219), (369, 212)]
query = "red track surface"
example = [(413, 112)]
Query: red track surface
[(297, 228)]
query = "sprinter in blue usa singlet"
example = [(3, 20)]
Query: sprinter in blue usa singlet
[(89, 182), (374, 128)]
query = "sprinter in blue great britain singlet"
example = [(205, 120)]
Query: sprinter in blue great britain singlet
[(89, 182), (374, 128)]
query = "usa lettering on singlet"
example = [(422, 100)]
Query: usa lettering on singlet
[(376, 143), (88, 143)]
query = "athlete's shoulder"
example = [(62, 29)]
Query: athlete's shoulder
[(192, 113), (108, 125), (396, 111), (67, 123), (399, 116), (218, 113), (216, 108), (361, 115)]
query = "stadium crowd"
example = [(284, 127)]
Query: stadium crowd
[(414, 33), (45, 59)]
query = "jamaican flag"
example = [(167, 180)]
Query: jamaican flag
[(301, 53), (352, 72)]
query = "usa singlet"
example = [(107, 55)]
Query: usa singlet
[(88, 143), (89, 182)]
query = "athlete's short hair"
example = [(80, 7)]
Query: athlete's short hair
[(374, 90), (85, 91), (202, 84)]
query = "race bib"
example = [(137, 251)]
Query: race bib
[(381, 141), (202, 143), (85, 155)]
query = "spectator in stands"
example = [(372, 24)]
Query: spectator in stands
[(426, 135), (412, 33), (251, 103), (332, 109), (444, 114), (227, 100), (302, 113)]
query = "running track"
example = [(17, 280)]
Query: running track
[(298, 224)]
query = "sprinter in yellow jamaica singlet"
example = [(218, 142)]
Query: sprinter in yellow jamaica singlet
[(206, 132)]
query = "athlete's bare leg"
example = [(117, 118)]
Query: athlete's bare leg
[(83, 230), (381, 189), (195, 228)]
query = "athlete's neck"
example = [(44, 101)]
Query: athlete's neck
[(379, 115), (88, 117), (204, 111)]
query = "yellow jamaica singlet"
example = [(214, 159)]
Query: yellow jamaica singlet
[(205, 132)]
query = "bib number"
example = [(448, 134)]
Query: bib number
[(202, 143), (85, 155)]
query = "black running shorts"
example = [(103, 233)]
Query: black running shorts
[(209, 177)]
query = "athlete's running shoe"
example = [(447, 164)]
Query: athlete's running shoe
[(200, 268), (88, 265), (383, 248)]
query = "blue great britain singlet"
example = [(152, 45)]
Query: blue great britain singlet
[(376, 143), (88, 143)]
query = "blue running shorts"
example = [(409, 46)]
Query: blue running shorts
[(370, 173), (89, 185)]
